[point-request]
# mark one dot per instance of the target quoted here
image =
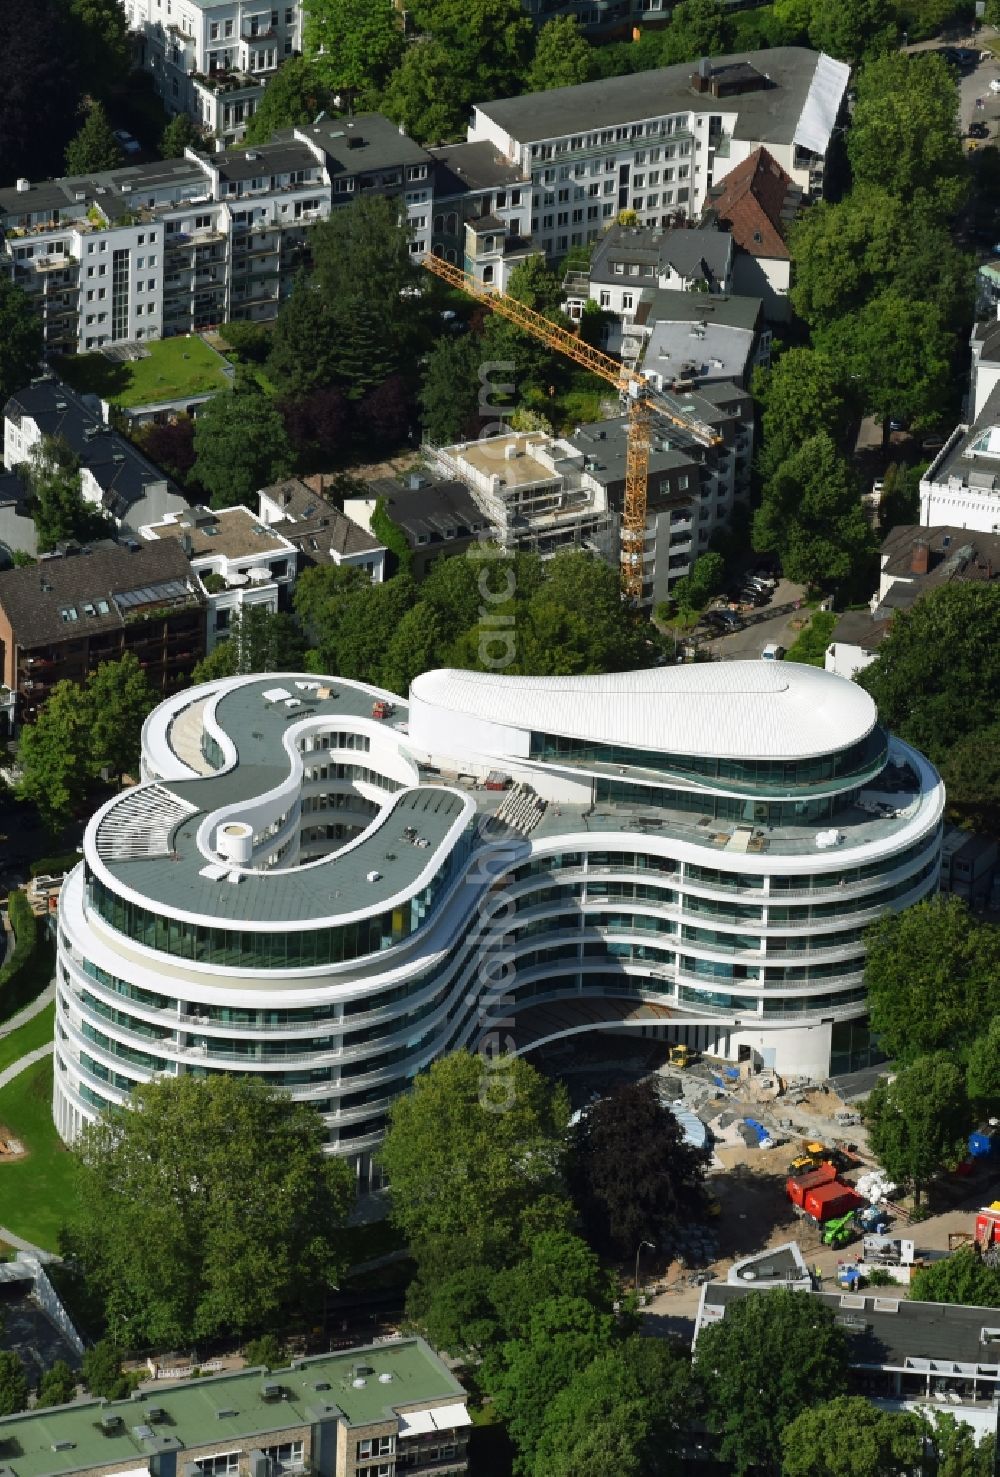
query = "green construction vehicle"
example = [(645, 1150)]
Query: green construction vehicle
[(840, 1231)]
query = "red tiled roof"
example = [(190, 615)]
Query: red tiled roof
[(749, 202)]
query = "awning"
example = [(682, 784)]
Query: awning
[(822, 104), (416, 1423), (447, 1417)]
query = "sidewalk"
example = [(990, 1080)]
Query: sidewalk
[(24, 1062), (29, 1012)]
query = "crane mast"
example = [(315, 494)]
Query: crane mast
[(645, 403)]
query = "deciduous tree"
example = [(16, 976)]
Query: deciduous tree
[(811, 515), (962, 1277), (58, 506), (705, 580), (983, 1074), (449, 393), (490, 40), (802, 395), (318, 425), (170, 446), (971, 772), (938, 669), (39, 90), (563, 56), (932, 975), (20, 339), (259, 640), (918, 1123), (697, 28), (633, 1175), (898, 351), (855, 1438), (774, 1355), (904, 133), (240, 445), (118, 698), (102, 1371), (294, 96), (94, 147), (852, 29), (207, 1205), (469, 1148), (100, 30), (428, 95), (54, 756), (353, 44)]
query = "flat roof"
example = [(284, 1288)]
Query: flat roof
[(741, 709), (172, 871), (887, 1328), (230, 533), (227, 1408), (769, 115), (474, 165), (489, 458)]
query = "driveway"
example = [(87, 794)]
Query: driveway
[(975, 83)]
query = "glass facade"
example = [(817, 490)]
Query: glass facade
[(758, 776)]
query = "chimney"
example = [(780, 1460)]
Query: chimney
[(920, 556), (701, 80)]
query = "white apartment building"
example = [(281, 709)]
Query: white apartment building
[(630, 264), (154, 250), (239, 561), (961, 487), (331, 886), (213, 58), (656, 142)]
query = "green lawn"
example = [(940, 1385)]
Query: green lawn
[(811, 643), (175, 369), (35, 1192), (33, 1033)]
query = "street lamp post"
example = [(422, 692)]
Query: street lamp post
[(637, 1253)]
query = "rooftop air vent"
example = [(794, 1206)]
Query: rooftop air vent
[(226, 1414), (23, 186), (251, 155), (385, 1378)]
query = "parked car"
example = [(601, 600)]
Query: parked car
[(129, 144), (772, 652), (979, 130), (995, 84), (750, 596), (765, 579)]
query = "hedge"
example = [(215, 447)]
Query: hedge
[(54, 866), (28, 968)]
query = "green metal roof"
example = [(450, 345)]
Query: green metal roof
[(216, 1412)]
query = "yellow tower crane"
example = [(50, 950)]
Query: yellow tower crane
[(645, 403)]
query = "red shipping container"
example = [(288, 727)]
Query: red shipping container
[(828, 1202), (797, 1185)]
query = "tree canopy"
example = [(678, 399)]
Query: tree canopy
[(962, 1277), (428, 94), (94, 147), (180, 134), (58, 506), (259, 640), (39, 90), (295, 95), (633, 1175), (851, 1437), (898, 351), (207, 1206), (352, 44), (932, 976), (904, 134), (563, 56), (811, 515), (937, 672), (240, 445), (971, 773), (13, 1383), (57, 1385), (20, 339), (773, 1356), (918, 1123), (469, 1148), (802, 395)]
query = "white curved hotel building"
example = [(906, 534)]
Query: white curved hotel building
[(331, 899)]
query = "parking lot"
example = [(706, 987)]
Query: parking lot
[(780, 629)]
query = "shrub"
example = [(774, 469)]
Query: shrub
[(19, 969), (54, 866)]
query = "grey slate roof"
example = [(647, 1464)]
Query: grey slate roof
[(766, 116), (121, 470), (703, 252), (435, 511), (32, 598)]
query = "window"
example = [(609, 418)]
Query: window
[(626, 302), (605, 299), (288, 1454), (213, 31), (376, 1446), (219, 1463)]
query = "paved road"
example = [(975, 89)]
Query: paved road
[(19, 1244), (750, 642)]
